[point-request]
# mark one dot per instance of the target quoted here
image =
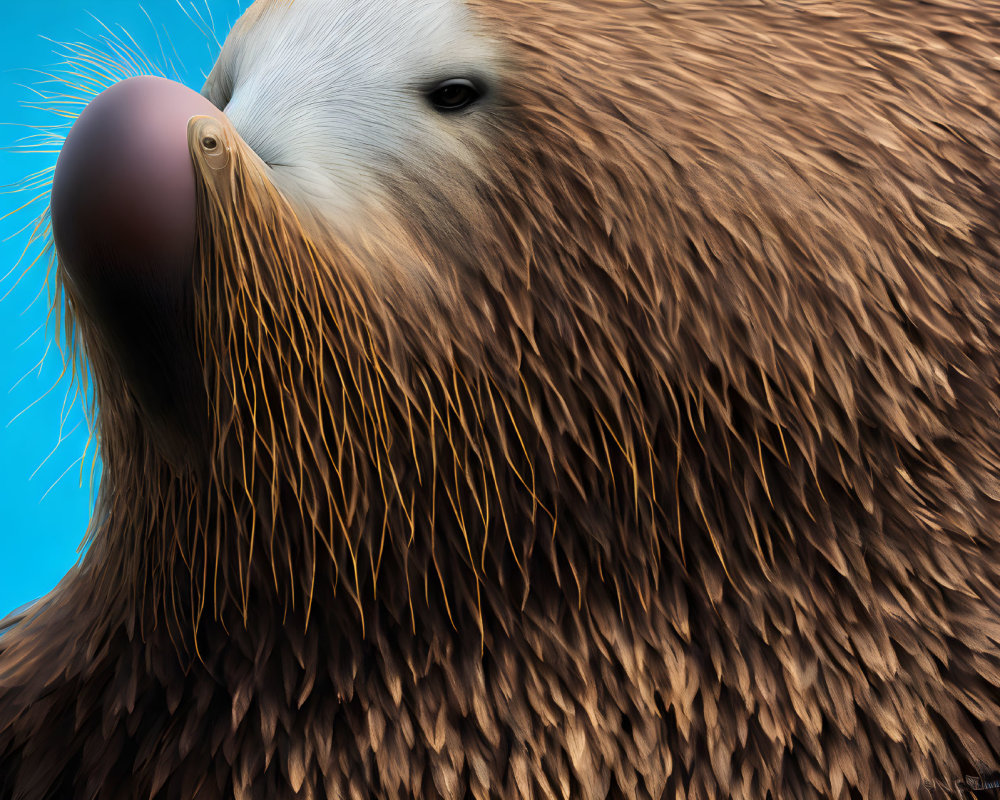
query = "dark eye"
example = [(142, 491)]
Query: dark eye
[(454, 94)]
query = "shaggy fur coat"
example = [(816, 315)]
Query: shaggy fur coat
[(666, 468)]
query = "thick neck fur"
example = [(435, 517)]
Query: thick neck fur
[(678, 475)]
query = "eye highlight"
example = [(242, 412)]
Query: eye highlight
[(454, 94)]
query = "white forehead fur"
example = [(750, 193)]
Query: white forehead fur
[(332, 93)]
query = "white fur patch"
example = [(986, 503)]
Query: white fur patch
[(332, 93)]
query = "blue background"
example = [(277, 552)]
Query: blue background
[(45, 478)]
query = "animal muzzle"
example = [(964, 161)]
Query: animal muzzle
[(124, 225)]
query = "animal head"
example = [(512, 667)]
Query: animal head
[(497, 290)]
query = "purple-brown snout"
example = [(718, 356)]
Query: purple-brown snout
[(123, 220)]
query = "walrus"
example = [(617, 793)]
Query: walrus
[(534, 398)]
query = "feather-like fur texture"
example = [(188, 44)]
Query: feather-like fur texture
[(657, 459)]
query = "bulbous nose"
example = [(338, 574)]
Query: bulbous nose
[(123, 195), (123, 221)]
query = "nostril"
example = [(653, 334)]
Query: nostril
[(208, 139)]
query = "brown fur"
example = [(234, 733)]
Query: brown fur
[(659, 460)]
